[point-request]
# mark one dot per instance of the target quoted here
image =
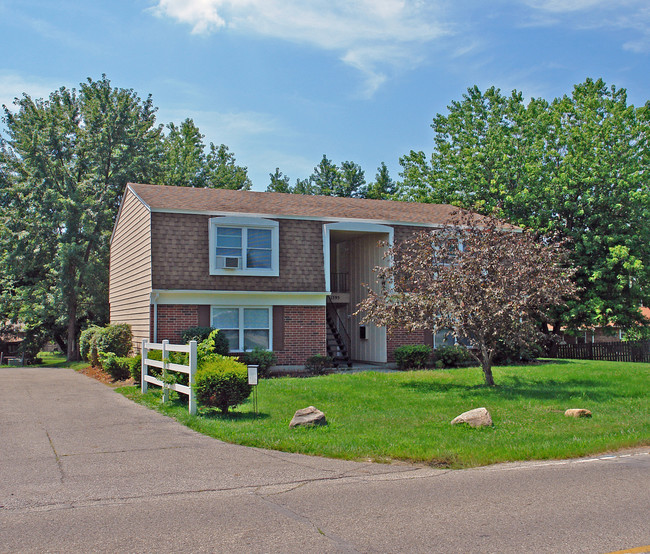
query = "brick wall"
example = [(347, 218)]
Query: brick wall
[(305, 334), (396, 337), (175, 318), (304, 329)]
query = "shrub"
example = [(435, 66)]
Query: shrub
[(412, 356), (452, 356), (199, 334), (513, 354), (318, 364), (209, 340), (135, 367), (115, 338), (87, 346), (221, 383), (116, 366), (263, 359)]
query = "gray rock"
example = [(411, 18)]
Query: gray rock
[(479, 417), (306, 417), (577, 412)]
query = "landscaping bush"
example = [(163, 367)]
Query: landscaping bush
[(263, 359), (112, 338), (412, 356), (318, 363), (87, 346), (452, 356), (116, 366), (221, 383), (115, 338), (201, 334), (135, 367), (512, 355)]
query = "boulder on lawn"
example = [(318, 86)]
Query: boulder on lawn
[(577, 412), (479, 417), (306, 417)]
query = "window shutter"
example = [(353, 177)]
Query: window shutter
[(428, 338), (204, 316), (278, 327)]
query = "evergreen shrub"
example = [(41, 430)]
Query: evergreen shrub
[(221, 383), (412, 356), (262, 358)]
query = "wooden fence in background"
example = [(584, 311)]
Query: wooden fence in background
[(607, 351)]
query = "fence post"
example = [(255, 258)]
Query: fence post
[(164, 356), (192, 361), (143, 367)]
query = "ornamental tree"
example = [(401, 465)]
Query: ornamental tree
[(488, 282)]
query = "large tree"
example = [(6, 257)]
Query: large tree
[(64, 164), (279, 182), (577, 166), (383, 188), (487, 283), (183, 162)]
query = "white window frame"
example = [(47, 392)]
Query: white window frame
[(241, 328), (245, 223)]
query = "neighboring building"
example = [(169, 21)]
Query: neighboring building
[(11, 337), (280, 271), (610, 333)]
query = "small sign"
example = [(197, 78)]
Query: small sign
[(252, 375)]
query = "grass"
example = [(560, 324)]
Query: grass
[(406, 415), (55, 359)]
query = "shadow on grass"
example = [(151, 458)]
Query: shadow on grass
[(233, 416), (519, 388)]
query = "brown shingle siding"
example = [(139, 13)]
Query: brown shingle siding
[(180, 255)]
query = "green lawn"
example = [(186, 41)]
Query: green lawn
[(385, 416), (54, 359)]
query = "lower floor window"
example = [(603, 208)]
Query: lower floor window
[(245, 328)]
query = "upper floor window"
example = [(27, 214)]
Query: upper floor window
[(244, 246)]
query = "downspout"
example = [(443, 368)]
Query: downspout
[(154, 303)]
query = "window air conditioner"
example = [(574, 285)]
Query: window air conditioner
[(228, 262)]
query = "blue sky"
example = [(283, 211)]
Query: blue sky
[(282, 82)]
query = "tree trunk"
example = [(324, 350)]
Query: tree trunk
[(487, 373), (486, 364), (72, 350)]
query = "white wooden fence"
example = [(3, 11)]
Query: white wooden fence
[(167, 366)]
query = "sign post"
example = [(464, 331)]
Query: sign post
[(252, 380)]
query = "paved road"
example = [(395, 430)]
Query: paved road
[(82, 469)]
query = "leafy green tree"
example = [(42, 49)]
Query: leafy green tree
[(303, 186), (576, 166), (279, 182), (326, 179), (351, 180), (222, 171), (64, 164), (383, 188), (183, 161)]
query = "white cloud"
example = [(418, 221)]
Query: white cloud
[(370, 35), (632, 16)]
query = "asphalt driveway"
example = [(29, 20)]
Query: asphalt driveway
[(84, 469)]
